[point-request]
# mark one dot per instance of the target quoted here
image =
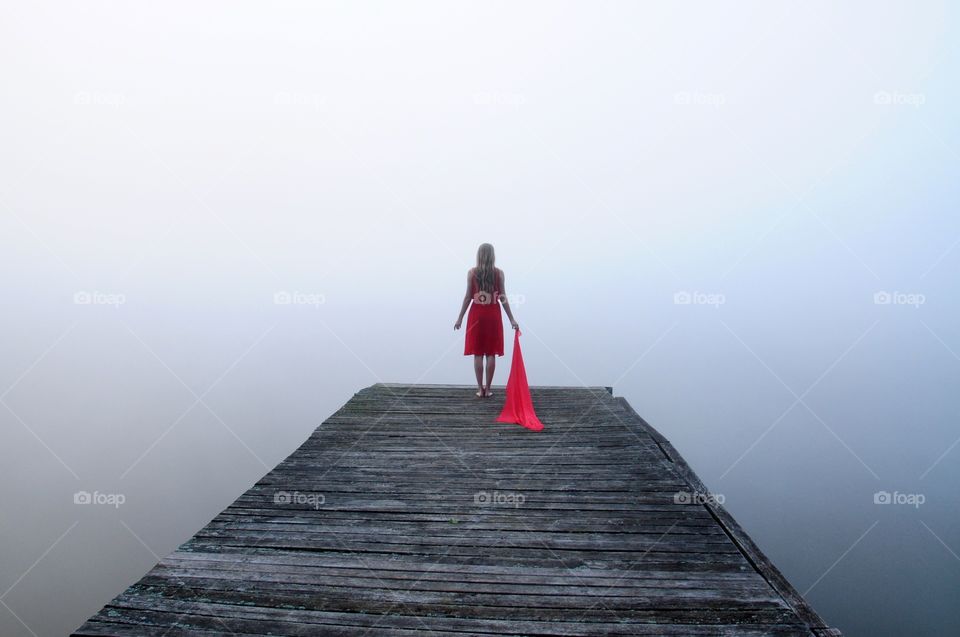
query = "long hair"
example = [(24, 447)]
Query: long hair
[(485, 271)]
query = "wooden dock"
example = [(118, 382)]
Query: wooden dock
[(411, 512)]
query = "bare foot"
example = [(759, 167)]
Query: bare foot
[(479, 393), (487, 393)]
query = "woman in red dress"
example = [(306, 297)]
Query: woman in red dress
[(484, 338)]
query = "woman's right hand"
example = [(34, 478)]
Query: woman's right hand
[(514, 325)]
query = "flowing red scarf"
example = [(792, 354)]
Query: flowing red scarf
[(518, 408)]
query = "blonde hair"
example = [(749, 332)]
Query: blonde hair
[(485, 271)]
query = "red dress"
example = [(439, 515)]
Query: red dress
[(484, 322)]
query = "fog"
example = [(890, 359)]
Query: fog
[(220, 220)]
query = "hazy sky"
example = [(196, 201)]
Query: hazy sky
[(172, 173)]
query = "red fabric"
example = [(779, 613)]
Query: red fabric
[(518, 407), (484, 324)]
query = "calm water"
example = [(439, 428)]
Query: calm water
[(115, 415), (744, 222)]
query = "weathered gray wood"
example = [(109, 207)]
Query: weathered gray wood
[(588, 536)]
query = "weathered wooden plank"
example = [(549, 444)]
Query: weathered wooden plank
[(173, 567), (300, 622), (377, 524)]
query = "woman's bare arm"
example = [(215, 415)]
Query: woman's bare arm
[(466, 300), (506, 303)]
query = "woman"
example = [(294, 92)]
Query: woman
[(484, 336)]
